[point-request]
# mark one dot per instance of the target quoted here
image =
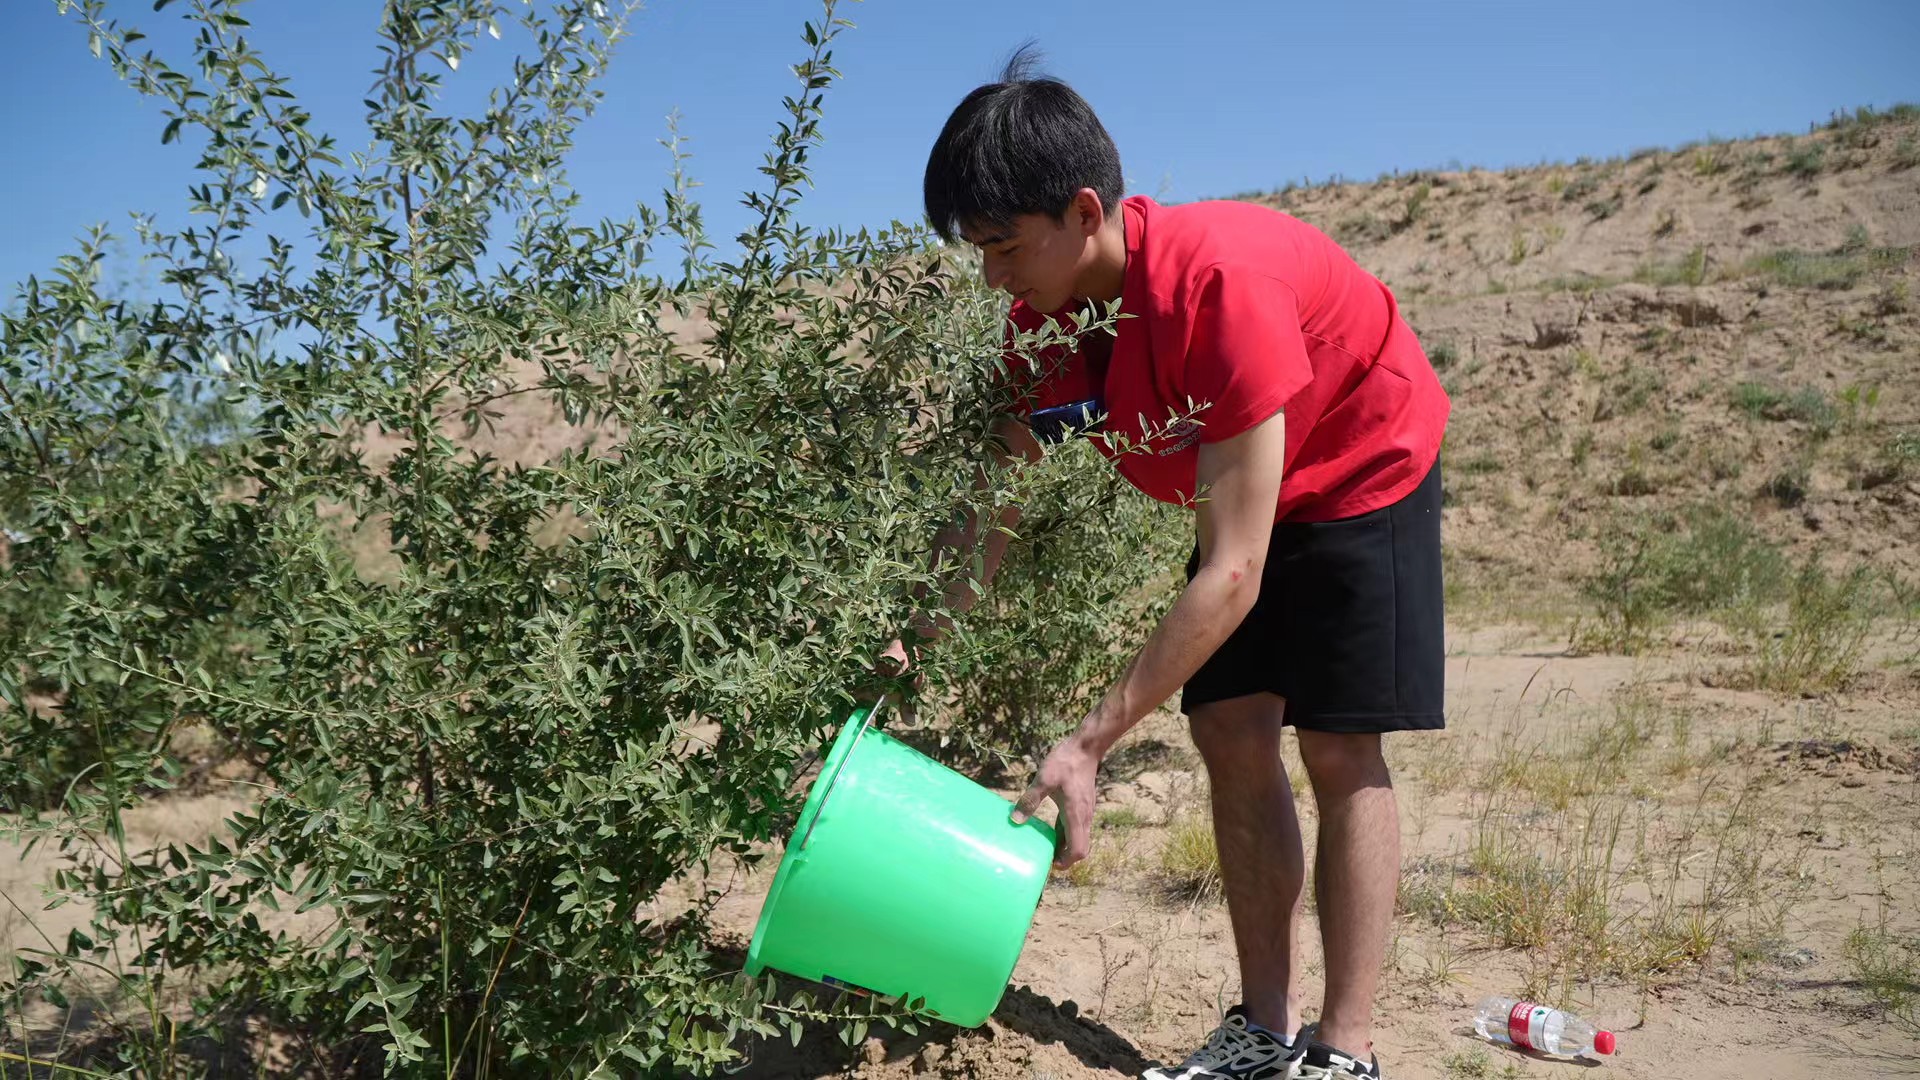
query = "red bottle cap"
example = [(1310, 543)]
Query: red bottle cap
[(1603, 1042)]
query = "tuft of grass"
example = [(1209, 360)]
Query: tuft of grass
[(1888, 969), (1190, 861), (1689, 269), (1413, 208), (1892, 299), (1824, 637), (1475, 1064), (1633, 481), (1808, 160), (1900, 459), (1906, 153), (1550, 889), (1443, 355), (1808, 405), (1582, 186), (1602, 209), (1362, 229), (1577, 282), (1842, 268), (1788, 487), (1108, 859), (1582, 762), (1118, 817), (1866, 116), (1571, 864), (1657, 568), (1479, 464), (1756, 399)]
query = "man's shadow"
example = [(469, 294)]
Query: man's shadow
[(820, 1052)]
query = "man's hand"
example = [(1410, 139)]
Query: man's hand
[(893, 660), (890, 671), (1066, 777)]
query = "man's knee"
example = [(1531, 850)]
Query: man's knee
[(1340, 762), (1242, 729)]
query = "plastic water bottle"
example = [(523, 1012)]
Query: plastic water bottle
[(1533, 1026)]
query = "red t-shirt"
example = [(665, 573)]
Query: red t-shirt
[(1244, 310)]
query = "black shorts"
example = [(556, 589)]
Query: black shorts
[(1349, 626)]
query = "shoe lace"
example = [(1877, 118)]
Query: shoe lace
[(1225, 1044)]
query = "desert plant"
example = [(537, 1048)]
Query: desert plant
[(1888, 967), (1689, 269), (486, 771), (1807, 160), (1841, 268), (1190, 862), (1828, 620), (1653, 569)]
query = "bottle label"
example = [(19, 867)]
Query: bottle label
[(1527, 1024)]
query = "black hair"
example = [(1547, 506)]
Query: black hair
[(1022, 145)]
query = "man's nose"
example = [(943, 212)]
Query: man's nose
[(996, 273)]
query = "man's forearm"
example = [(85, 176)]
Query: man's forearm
[(1209, 609)]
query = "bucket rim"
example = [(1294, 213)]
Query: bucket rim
[(823, 785)]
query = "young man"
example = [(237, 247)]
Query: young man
[(1313, 596)]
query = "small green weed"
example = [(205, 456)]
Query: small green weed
[(1656, 568), (1819, 648), (1888, 967), (1806, 161), (1689, 269), (1842, 268), (1190, 862)]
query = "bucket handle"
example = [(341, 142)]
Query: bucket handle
[(865, 722)]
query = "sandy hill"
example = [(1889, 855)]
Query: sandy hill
[(1730, 323)]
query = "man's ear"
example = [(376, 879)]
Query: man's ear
[(1086, 214)]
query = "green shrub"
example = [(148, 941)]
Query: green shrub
[(1689, 269), (1757, 399), (1788, 487), (1808, 405), (1819, 647), (1906, 153), (1653, 569), (1887, 965), (1842, 268), (1190, 861), (1806, 161), (1580, 187), (1601, 209), (1362, 228), (487, 770)]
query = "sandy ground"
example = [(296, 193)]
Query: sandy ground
[(1817, 801), (1117, 974)]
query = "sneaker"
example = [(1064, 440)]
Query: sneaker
[(1236, 1051), (1322, 1062)]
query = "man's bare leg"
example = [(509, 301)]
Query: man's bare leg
[(1355, 876), (1262, 863)]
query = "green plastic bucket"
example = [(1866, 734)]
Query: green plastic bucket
[(903, 879)]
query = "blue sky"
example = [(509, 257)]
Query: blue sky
[(1204, 98)]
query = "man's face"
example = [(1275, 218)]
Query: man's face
[(1036, 258)]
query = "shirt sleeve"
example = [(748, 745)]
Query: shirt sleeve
[(1246, 357)]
